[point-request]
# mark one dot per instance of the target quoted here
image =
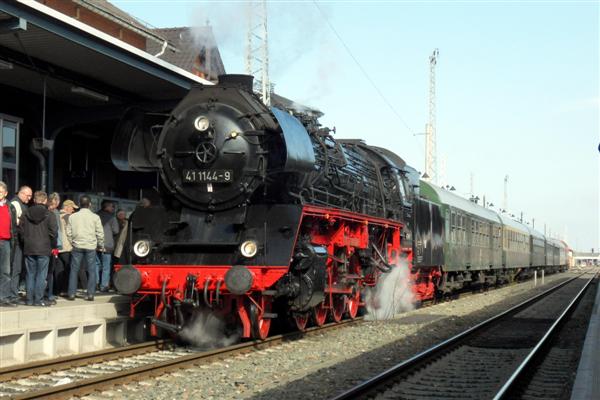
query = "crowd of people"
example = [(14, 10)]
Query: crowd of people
[(51, 246)]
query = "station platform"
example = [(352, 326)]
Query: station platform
[(29, 333), (587, 381)]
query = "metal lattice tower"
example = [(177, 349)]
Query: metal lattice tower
[(505, 202), (430, 146), (257, 49)]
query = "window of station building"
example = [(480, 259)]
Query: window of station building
[(9, 156)]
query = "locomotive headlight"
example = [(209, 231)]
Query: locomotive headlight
[(249, 248), (201, 124), (141, 248)]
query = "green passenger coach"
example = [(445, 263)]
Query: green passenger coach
[(483, 246)]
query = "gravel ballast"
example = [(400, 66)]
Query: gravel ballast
[(327, 364)]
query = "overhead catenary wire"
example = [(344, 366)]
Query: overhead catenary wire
[(366, 74)]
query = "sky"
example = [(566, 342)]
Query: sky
[(517, 88)]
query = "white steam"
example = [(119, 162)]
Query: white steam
[(207, 330), (392, 295), (297, 31)]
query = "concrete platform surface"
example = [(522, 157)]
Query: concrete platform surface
[(587, 382), (29, 333)]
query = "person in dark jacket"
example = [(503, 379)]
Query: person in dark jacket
[(39, 230), (53, 276), (111, 228), (8, 235)]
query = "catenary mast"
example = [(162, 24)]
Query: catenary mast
[(430, 146), (257, 49)]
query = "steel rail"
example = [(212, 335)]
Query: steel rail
[(390, 374), (77, 360), (509, 385), (87, 386), (63, 363)]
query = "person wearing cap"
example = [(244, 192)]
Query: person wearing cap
[(64, 254), (86, 234)]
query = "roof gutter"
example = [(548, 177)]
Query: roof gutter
[(147, 33)]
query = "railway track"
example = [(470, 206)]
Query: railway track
[(489, 360), (86, 373), (90, 373), (80, 360)]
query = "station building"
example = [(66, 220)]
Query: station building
[(586, 259), (69, 69)]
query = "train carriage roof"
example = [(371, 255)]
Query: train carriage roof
[(556, 242), (516, 225), (442, 196), (535, 233)]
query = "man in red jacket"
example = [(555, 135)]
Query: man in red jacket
[(8, 235)]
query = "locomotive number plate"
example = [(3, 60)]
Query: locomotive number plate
[(207, 175)]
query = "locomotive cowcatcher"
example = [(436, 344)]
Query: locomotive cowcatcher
[(262, 207)]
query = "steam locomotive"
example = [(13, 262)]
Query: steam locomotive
[(262, 207)]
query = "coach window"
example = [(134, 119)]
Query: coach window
[(9, 157), (454, 227), (457, 233)]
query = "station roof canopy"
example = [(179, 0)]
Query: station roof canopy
[(81, 65)]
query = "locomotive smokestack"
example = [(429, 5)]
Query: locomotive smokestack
[(245, 81)]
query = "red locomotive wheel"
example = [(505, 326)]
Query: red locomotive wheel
[(319, 314), (338, 307), (260, 325), (301, 321), (353, 304)]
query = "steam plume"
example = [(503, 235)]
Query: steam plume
[(207, 330), (392, 295)]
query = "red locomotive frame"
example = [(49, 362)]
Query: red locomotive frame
[(344, 233)]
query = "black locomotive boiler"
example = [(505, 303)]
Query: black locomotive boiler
[(259, 205)]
